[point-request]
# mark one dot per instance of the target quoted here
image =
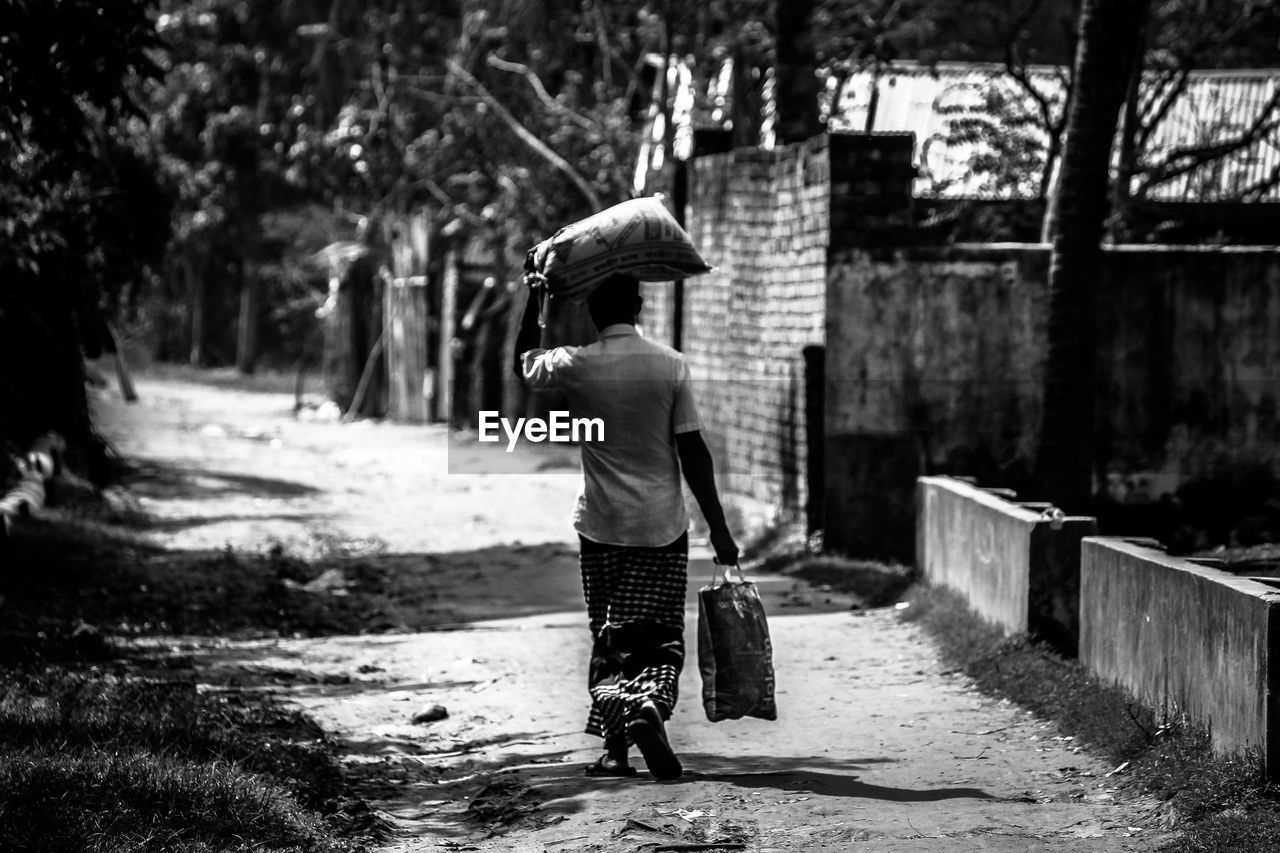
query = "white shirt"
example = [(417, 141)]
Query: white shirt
[(631, 490)]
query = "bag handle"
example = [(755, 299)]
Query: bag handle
[(716, 566)]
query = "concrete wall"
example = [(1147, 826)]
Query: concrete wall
[(1190, 362), (1015, 568), (932, 366), (1185, 638), (944, 347)]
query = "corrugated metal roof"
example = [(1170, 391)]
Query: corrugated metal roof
[(1219, 107), (928, 104), (931, 102), (1216, 106)]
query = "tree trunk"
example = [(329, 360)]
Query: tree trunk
[(1126, 164), (747, 104), (1109, 36), (247, 330), (796, 94), (873, 104), (1049, 188), (1049, 225), (667, 107), (197, 301)]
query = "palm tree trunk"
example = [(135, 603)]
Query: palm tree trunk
[(1109, 37)]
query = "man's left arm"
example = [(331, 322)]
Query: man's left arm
[(699, 473), (698, 468)]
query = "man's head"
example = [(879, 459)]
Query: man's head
[(616, 300)]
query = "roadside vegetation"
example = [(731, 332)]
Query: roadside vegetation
[(108, 746)]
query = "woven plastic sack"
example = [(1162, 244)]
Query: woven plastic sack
[(639, 237), (735, 654)]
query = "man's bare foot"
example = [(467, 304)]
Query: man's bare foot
[(607, 765)]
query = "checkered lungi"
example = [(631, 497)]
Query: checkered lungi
[(635, 604)]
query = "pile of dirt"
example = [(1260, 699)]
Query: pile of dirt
[(503, 803), (688, 829)]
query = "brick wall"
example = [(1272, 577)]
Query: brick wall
[(658, 313), (762, 218)]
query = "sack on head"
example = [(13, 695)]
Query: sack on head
[(639, 237)]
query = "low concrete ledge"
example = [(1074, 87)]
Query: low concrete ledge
[(1016, 566), (1185, 638)]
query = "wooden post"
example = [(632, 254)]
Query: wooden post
[(406, 318), (815, 379), (406, 347), (448, 324)]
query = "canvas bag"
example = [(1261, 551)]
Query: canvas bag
[(735, 655), (638, 237)]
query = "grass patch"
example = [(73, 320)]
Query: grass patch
[(139, 801), (105, 762), (787, 551), (1221, 805), (67, 710), (97, 754), (63, 574), (872, 583)]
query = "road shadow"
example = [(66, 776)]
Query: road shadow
[(551, 787), (165, 481), (817, 776), (177, 525), (830, 784), (264, 382), (62, 574)]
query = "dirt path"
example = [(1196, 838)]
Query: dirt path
[(876, 748)]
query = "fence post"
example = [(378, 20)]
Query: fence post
[(448, 318)]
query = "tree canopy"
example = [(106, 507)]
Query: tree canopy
[(202, 151)]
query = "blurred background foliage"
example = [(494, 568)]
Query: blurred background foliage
[(168, 161)]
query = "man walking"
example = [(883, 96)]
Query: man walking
[(630, 517)]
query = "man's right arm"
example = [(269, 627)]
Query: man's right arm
[(530, 334), (539, 367), (699, 473)]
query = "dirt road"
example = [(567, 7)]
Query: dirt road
[(876, 747)]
